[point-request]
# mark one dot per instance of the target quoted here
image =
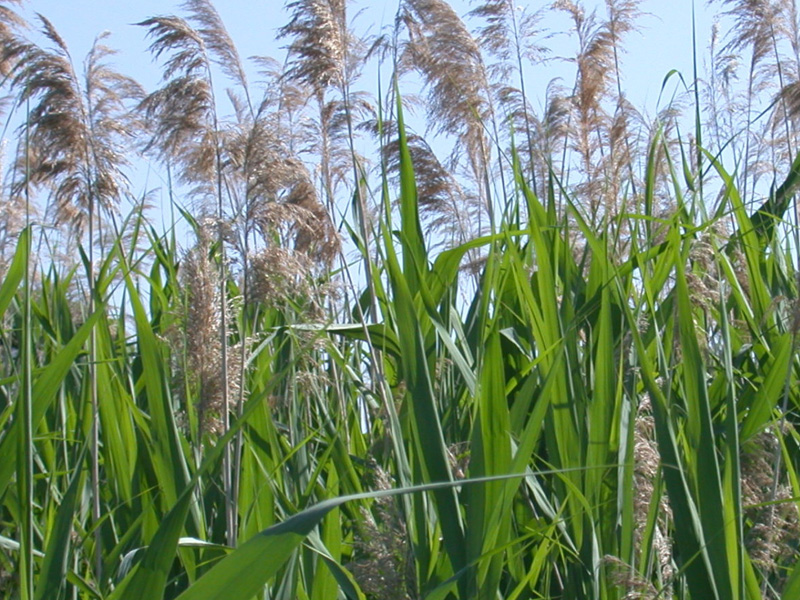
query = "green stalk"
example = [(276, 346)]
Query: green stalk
[(95, 429), (25, 412)]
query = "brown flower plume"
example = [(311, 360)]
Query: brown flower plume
[(774, 525), (200, 338), (78, 127), (12, 45), (181, 116), (319, 51), (443, 52), (510, 34), (598, 135)]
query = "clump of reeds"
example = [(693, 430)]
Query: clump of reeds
[(609, 272)]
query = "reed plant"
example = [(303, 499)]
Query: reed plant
[(560, 362)]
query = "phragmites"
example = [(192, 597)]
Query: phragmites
[(279, 278), (77, 128), (341, 120), (441, 198), (270, 189), (774, 528), (595, 68), (759, 58), (647, 462), (458, 457), (628, 578), (552, 129), (12, 221), (218, 43), (12, 46), (702, 273), (198, 347), (509, 35), (442, 51), (382, 563), (320, 47), (315, 235), (324, 55), (181, 115), (756, 23), (247, 166), (600, 136)]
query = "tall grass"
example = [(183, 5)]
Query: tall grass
[(560, 364)]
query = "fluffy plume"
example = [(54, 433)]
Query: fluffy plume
[(12, 45), (220, 46), (200, 341), (763, 46), (325, 55), (647, 460), (442, 51), (756, 23), (597, 135), (319, 50), (79, 127), (12, 221), (270, 188), (441, 198), (628, 578), (248, 163), (181, 116), (281, 278), (510, 34)]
